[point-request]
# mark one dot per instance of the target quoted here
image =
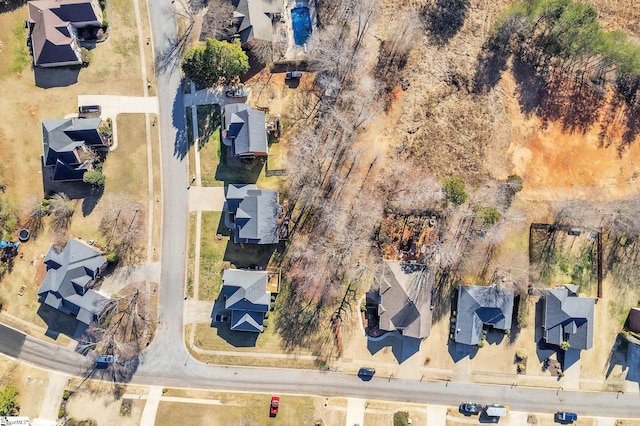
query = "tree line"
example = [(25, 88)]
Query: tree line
[(565, 37)]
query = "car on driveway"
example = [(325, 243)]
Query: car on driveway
[(238, 92), (469, 408), (566, 417), (275, 405)]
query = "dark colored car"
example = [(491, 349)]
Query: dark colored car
[(239, 92), (470, 408), (89, 109), (566, 417), (275, 405), (366, 373), (293, 75)]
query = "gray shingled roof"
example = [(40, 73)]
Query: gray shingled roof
[(245, 130), (256, 214), (478, 305), (568, 317), (53, 37), (405, 298), (68, 273), (254, 19), (61, 138), (246, 297)]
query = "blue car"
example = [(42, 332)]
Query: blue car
[(566, 417)]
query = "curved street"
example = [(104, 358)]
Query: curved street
[(167, 362)]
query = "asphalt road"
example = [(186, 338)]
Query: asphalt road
[(167, 362), (11, 341)]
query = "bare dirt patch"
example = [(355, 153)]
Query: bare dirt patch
[(87, 405)]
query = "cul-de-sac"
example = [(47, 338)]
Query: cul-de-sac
[(319, 212)]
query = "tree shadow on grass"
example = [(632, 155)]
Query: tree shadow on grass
[(444, 18)]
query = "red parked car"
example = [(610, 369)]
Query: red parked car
[(275, 404)]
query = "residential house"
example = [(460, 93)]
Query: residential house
[(244, 131), (68, 146), (568, 318), (246, 297), (67, 284), (255, 18), (404, 298), (53, 29), (479, 306), (252, 214)]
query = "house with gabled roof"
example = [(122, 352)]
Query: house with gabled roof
[(71, 273), (245, 131), (404, 298), (68, 146), (254, 19), (53, 29), (480, 306), (568, 318), (246, 297), (252, 214)]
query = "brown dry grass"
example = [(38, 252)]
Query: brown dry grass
[(30, 381), (248, 408)]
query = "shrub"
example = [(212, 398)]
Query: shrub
[(265, 323), (454, 192), (401, 418), (521, 353), (66, 395), (507, 331), (565, 346), (60, 413), (515, 183), (112, 257), (481, 343), (94, 177), (9, 401), (85, 56), (105, 131), (490, 215)]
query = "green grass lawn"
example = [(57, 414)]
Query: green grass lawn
[(211, 257), (21, 57), (191, 253), (209, 125)]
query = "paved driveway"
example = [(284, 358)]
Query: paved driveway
[(206, 198), (113, 105)]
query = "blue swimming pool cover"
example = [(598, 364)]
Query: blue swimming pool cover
[(301, 22)]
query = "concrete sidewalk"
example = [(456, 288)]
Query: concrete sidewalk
[(53, 396), (151, 407)]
